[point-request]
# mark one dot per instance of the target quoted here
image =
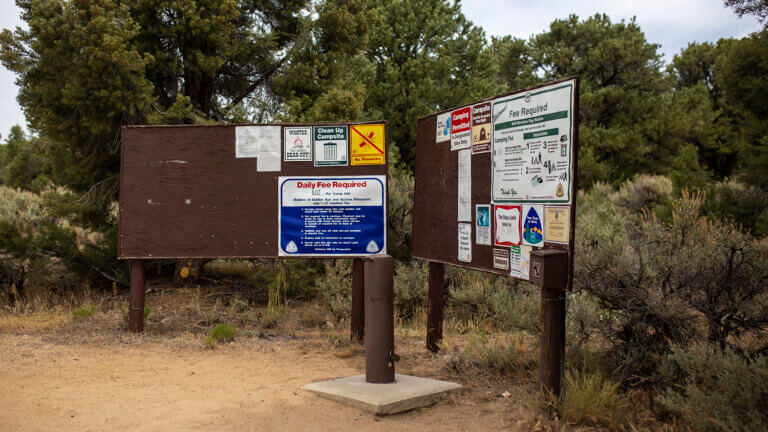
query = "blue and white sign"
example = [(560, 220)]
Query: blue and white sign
[(333, 216)]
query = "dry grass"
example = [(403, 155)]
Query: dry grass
[(589, 398), (499, 368), (33, 321)]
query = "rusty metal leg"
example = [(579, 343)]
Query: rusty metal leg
[(552, 349), (136, 308), (435, 312), (379, 320), (357, 331)]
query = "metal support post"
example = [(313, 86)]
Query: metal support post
[(549, 270), (435, 311), (136, 308), (357, 331), (380, 354)]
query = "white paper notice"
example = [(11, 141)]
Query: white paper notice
[(525, 261), (465, 186), (507, 225), (531, 145), (515, 262), (443, 129), (483, 224), (298, 143), (465, 242), (269, 141), (246, 142)]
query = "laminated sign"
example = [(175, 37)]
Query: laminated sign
[(533, 225), (443, 127), (465, 242), (483, 224), (507, 225), (331, 144), (461, 128), (531, 145), (341, 216), (366, 144), (297, 144), (481, 128), (557, 221)]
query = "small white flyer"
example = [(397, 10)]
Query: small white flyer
[(269, 140), (483, 224), (443, 129), (297, 143), (246, 142), (515, 262), (525, 261), (465, 186), (465, 242)]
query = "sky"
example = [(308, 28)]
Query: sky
[(670, 23)]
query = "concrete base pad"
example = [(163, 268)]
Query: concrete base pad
[(406, 393)]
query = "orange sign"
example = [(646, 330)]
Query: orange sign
[(366, 144)]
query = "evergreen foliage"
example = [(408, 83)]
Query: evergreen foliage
[(672, 216)]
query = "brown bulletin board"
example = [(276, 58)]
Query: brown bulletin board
[(435, 221), (184, 194)]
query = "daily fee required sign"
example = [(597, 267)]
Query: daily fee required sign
[(334, 216)]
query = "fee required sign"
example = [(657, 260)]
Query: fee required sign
[(334, 216)]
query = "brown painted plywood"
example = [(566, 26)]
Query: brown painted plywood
[(435, 210), (184, 194)]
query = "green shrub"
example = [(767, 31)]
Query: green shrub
[(335, 287), (718, 390), (644, 192), (504, 356), (658, 282), (734, 202), (85, 311), (40, 249), (221, 333), (410, 288), (517, 307), (583, 317), (399, 209), (469, 295), (507, 303), (591, 398)]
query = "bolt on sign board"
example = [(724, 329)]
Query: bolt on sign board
[(252, 191), (514, 155)]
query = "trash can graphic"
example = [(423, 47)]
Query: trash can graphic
[(329, 150)]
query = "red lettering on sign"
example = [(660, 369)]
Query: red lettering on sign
[(461, 120)]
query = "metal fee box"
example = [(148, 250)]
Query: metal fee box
[(549, 268)]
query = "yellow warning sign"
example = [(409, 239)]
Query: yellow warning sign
[(366, 144)]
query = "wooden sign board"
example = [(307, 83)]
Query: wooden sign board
[(487, 201), (252, 191)]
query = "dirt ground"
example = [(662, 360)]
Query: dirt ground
[(62, 373)]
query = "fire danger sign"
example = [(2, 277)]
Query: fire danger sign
[(367, 144)]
